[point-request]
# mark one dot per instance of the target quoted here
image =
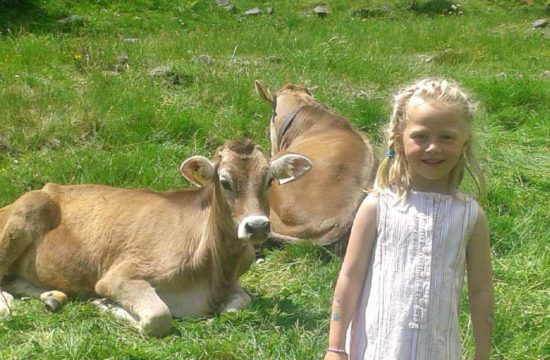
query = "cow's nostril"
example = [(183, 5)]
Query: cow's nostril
[(256, 227), (265, 227)]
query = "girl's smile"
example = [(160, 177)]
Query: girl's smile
[(432, 162)]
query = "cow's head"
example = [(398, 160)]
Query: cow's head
[(285, 104), (241, 177)]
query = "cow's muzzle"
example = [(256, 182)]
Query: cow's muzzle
[(254, 228)]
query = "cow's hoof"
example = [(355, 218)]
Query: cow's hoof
[(6, 301), (157, 326), (52, 305), (237, 301), (53, 300)]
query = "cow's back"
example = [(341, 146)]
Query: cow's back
[(321, 206)]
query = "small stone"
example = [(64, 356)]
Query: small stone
[(226, 4), (122, 59), (321, 10), (425, 58), (173, 77), (274, 59), (254, 11), (160, 71), (122, 63), (541, 23), (71, 20), (204, 59), (454, 9)]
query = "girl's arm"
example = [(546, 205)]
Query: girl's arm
[(480, 286), (352, 276)]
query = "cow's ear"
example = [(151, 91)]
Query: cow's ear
[(290, 167), (197, 169), (264, 92)]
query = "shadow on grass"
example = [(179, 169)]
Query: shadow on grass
[(29, 16), (278, 311), (264, 314), (431, 7), (291, 252)]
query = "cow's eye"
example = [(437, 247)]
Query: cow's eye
[(225, 184)]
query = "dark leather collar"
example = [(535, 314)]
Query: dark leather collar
[(285, 125)]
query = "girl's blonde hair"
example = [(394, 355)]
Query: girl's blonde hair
[(393, 170)]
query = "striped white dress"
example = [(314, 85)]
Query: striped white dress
[(409, 307)]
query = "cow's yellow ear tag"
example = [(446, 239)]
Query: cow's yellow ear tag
[(198, 176)]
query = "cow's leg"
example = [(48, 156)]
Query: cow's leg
[(247, 259), (238, 299), (27, 219), (139, 299), (285, 239), (53, 300), (117, 310)]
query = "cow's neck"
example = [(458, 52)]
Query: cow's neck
[(220, 244)]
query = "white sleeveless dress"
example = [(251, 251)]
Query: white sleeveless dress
[(409, 306)]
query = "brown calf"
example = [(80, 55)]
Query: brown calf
[(154, 254), (321, 206)]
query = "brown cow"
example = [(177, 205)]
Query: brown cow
[(321, 206), (154, 254)]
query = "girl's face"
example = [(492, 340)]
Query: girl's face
[(434, 138)]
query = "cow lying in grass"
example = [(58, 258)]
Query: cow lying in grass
[(153, 255), (322, 205)]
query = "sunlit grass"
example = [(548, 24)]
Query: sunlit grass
[(67, 116)]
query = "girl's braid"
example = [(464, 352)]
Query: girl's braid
[(393, 167)]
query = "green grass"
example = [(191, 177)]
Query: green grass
[(65, 117)]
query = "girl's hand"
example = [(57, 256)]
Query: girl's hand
[(335, 356)]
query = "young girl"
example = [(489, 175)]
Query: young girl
[(399, 289)]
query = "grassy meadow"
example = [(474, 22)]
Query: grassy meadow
[(83, 99)]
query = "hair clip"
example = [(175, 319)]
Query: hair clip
[(390, 153)]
